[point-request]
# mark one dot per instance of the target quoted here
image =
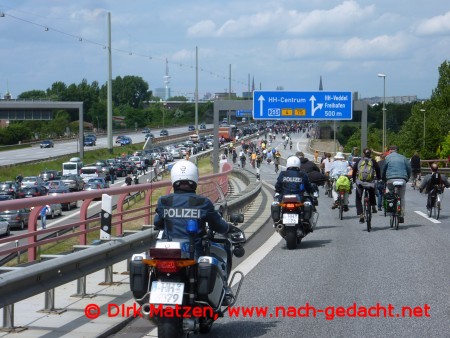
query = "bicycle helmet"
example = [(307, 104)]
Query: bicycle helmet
[(293, 162), (184, 171)]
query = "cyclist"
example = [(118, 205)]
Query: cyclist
[(365, 173), (430, 180), (380, 183), (325, 165), (276, 160), (397, 167), (340, 167), (415, 166)]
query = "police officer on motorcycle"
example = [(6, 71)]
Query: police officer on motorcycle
[(174, 211), (293, 180)]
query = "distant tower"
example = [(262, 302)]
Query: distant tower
[(320, 83), (166, 82)]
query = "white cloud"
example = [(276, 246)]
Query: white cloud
[(334, 21), (435, 26), (205, 28)]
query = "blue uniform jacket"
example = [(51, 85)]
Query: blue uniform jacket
[(176, 209), (293, 182)]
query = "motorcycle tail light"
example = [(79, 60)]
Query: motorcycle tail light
[(168, 265), (291, 205)]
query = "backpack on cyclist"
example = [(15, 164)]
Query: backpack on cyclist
[(343, 183), (389, 202), (366, 172)]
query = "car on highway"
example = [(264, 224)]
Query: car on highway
[(94, 186), (31, 181), (62, 191), (146, 130), (48, 175), (47, 144), (89, 142), (92, 136), (10, 188), (125, 140), (4, 227), (164, 132), (16, 218), (118, 138), (203, 126), (120, 170), (35, 191), (55, 184), (6, 198), (101, 180), (191, 128), (91, 172), (149, 136), (74, 182)]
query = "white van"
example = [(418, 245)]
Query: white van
[(91, 172), (71, 168)]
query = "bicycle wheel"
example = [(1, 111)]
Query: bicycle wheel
[(431, 204), (341, 208), (396, 223), (438, 209), (391, 221), (368, 215)]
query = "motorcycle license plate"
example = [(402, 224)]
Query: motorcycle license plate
[(290, 219), (166, 293)]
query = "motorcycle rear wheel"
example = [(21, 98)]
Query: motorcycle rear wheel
[(170, 328), (291, 238)]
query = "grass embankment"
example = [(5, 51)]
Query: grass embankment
[(58, 247)]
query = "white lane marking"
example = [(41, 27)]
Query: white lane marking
[(251, 261), (246, 266), (424, 215)]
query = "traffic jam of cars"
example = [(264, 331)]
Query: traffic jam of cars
[(76, 176)]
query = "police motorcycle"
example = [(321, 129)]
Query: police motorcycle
[(294, 216), (183, 294)]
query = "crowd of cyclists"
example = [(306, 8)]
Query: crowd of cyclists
[(372, 171), (378, 172)]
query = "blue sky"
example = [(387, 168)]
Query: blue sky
[(279, 43)]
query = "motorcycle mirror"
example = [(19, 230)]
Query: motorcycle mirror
[(237, 218), (239, 251)]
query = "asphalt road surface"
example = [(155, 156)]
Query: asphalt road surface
[(342, 281)]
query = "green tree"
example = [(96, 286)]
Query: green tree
[(33, 95)]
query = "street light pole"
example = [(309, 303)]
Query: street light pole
[(384, 112), (423, 146)]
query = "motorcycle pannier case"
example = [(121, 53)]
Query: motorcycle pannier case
[(210, 280), (139, 275), (307, 210), (275, 210)]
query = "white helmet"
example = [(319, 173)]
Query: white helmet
[(184, 170), (293, 162)]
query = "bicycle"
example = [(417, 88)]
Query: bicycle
[(397, 205), (341, 201), (276, 168), (329, 187), (434, 201), (416, 178), (367, 211)]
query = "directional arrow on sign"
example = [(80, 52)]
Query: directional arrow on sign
[(261, 100), (313, 109)]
